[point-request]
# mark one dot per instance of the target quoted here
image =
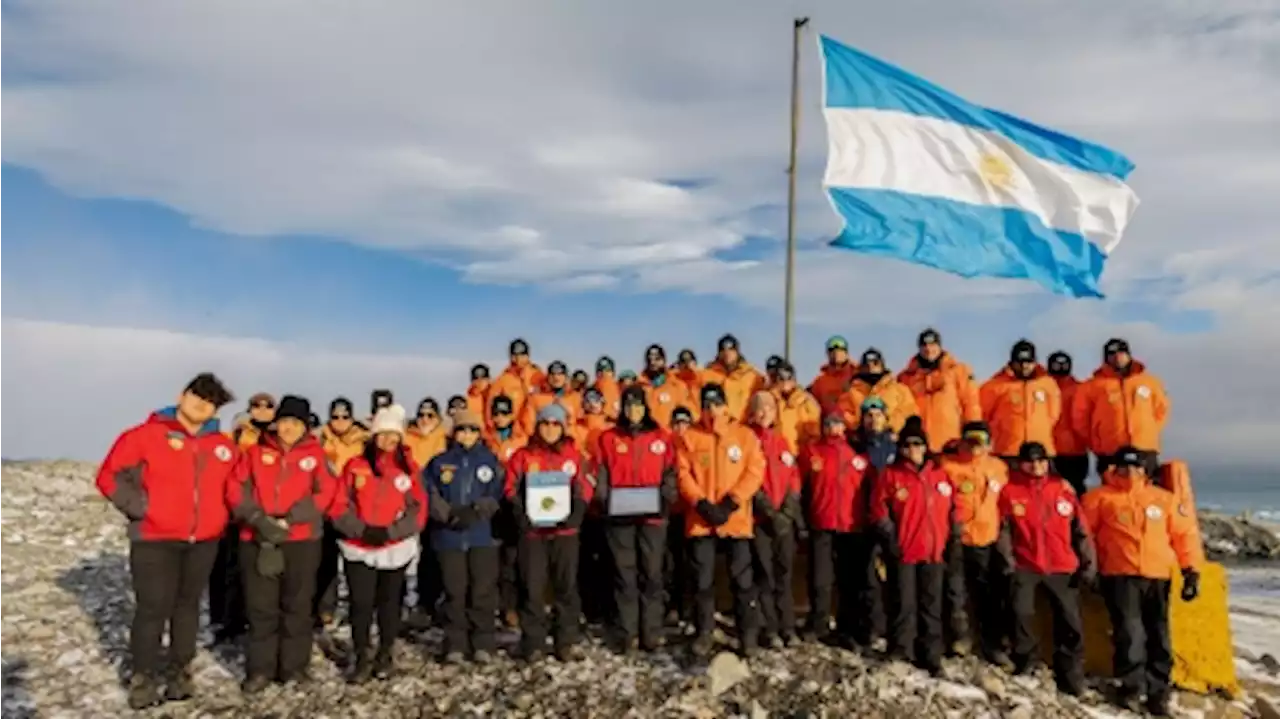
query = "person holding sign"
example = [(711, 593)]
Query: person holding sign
[(549, 496), (721, 469), (635, 474)]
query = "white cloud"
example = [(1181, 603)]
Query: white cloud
[(69, 389)]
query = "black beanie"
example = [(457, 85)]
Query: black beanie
[(342, 403), (293, 406)]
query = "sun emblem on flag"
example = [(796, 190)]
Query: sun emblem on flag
[(996, 171)]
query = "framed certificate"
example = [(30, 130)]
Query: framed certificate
[(634, 501), (548, 498)]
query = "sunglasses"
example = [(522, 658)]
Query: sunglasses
[(264, 405), (914, 443), (427, 414), (466, 428), (336, 417), (501, 413)]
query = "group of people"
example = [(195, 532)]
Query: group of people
[(924, 499)]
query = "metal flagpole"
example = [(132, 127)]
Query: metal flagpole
[(800, 22)]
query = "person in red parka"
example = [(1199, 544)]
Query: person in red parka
[(280, 494), (779, 520), (550, 459), (913, 509), (381, 510), (636, 456), (168, 477), (837, 484), (1047, 545)]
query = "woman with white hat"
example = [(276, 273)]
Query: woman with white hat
[(386, 510)]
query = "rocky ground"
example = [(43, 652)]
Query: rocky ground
[(67, 602)]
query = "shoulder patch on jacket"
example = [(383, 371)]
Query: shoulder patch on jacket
[(222, 452), (735, 453), (307, 464), (1064, 508), (403, 483), (484, 473)]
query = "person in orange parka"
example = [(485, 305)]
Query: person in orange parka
[(549, 553), (721, 469), (426, 436), (834, 377), (554, 389), (686, 370), (520, 379), (477, 395), (592, 422), (737, 379), (663, 390), (504, 438), (944, 390), (1143, 535), (607, 384), (1121, 405), (1021, 403), (504, 435), (675, 568), (874, 380), (1072, 458), (977, 477), (799, 415)]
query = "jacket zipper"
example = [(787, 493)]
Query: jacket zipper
[(1124, 411), (1039, 529), (928, 510), (1026, 411), (841, 500), (466, 494), (198, 465)]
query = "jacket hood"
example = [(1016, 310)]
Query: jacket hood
[(355, 433), (743, 367), (1109, 372), (308, 440), (169, 416), (1006, 372), (946, 361), (1017, 476)]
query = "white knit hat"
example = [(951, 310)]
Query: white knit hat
[(389, 419)]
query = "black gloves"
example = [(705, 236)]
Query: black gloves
[(1190, 584), (764, 509), (375, 536), (463, 517), (486, 507), (577, 514), (711, 513), (728, 505), (270, 529)]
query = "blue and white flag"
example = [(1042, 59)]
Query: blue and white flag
[(922, 175)]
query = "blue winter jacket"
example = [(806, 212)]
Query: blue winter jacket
[(458, 478)]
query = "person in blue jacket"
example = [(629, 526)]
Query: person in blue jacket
[(465, 484)]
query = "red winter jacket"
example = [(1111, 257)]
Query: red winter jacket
[(388, 493), (913, 506), (537, 456), (170, 483), (781, 475), (1041, 518), (838, 483), (295, 484), (646, 458)]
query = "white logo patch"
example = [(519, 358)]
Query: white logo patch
[(993, 484), (735, 453), (403, 483), (859, 463), (1040, 396), (658, 447), (484, 473), (570, 467), (1144, 391), (788, 459), (222, 452), (1154, 512), (1064, 508), (664, 398), (307, 464), (510, 451), (944, 488)]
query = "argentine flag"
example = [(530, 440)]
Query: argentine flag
[(922, 175)]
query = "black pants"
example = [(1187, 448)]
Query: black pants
[(703, 552), (774, 549), (676, 568), (595, 563), (504, 528), (637, 551), (1073, 468), (374, 591), (279, 610), (470, 584), (1068, 628), (326, 591), (1139, 610), (916, 630), (845, 561), (226, 591), (553, 559), (429, 582), (168, 580), (978, 575)]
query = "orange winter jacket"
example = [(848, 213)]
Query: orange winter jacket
[(899, 401), (1066, 441), (567, 398), (1112, 411), (607, 385), (977, 482), (719, 458), (1020, 410), (1175, 477), (831, 383), (517, 383), (692, 379), (478, 398), (424, 446), (245, 435), (799, 418), (505, 445), (587, 431), (946, 397), (739, 384), (341, 448), (1139, 529), (664, 399)]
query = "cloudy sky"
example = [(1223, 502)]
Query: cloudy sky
[(381, 194)]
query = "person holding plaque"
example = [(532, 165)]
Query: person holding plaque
[(721, 469), (635, 473), (549, 496)]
